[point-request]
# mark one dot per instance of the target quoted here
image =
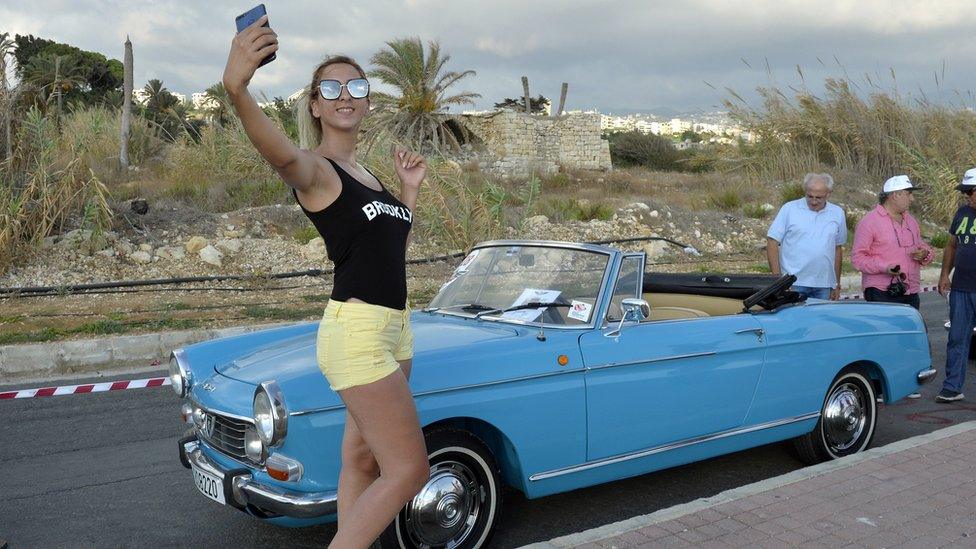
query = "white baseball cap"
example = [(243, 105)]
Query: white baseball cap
[(898, 183), (968, 181)]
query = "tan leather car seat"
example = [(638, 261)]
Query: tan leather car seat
[(672, 313)]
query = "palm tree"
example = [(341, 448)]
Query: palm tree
[(53, 76), (418, 114), (217, 103), (180, 114), (158, 98)]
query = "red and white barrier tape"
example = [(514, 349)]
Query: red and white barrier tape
[(921, 290), (86, 388)]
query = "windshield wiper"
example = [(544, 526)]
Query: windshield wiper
[(464, 307), (537, 305)]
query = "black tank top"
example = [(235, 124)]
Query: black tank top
[(365, 233)]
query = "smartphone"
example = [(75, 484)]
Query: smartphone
[(248, 18)]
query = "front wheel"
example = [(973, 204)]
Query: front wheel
[(458, 506), (847, 419)]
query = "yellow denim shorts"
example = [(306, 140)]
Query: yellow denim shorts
[(359, 343)]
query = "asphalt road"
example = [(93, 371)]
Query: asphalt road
[(102, 469)]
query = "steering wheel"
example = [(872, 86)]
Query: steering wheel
[(762, 297)]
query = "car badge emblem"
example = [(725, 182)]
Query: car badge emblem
[(209, 387)]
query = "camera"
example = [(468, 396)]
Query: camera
[(897, 287)]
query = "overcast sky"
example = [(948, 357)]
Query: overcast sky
[(615, 55)]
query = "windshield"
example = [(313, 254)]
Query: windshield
[(491, 280)]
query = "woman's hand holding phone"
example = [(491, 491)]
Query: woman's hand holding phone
[(247, 50)]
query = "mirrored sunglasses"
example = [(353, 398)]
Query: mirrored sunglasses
[(358, 88)]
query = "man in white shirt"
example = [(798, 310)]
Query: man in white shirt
[(807, 240)]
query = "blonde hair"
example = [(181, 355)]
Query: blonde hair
[(309, 127)]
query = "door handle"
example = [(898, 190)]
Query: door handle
[(758, 331)]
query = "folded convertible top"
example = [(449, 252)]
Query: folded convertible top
[(738, 286)]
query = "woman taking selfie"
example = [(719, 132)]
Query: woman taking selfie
[(364, 345)]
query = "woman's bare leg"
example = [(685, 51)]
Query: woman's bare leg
[(386, 419), (359, 467)]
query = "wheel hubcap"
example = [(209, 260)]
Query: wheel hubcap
[(845, 417), (446, 509)]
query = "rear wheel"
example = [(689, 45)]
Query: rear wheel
[(458, 506), (847, 419)]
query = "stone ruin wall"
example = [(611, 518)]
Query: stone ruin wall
[(516, 144)]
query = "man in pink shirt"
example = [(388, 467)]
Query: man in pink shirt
[(888, 246)]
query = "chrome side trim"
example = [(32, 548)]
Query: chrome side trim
[(452, 389), (648, 360), (249, 420), (926, 375), (668, 447)]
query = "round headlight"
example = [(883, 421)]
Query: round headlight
[(253, 445), (175, 375), (270, 415), (263, 416), (179, 376)]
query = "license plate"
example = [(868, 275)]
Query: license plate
[(209, 485)]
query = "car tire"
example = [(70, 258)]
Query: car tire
[(847, 420), (465, 482)]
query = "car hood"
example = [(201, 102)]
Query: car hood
[(292, 362)]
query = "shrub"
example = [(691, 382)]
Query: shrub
[(940, 239), (727, 199), (755, 211), (305, 234), (792, 191), (557, 181), (43, 186), (570, 209), (647, 150)]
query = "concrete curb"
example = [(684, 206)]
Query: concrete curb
[(19, 363), (618, 528)]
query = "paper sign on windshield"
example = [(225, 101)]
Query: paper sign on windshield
[(580, 311), (530, 295)]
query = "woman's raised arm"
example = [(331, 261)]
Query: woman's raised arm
[(296, 167)]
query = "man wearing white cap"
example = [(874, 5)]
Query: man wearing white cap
[(960, 254), (888, 247)]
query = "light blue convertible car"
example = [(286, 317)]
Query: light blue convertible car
[(550, 366)]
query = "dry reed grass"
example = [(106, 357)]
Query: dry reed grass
[(41, 187), (870, 131)]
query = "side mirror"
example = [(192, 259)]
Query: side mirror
[(634, 309)]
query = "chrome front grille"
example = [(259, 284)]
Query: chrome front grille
[(225, 434)]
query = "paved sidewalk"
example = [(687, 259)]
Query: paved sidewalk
[(918, 492)]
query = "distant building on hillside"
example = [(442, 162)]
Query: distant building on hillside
[(680, 126)]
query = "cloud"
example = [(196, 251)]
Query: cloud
[(628, 54)]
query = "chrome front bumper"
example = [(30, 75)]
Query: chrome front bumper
[(241, 490)]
